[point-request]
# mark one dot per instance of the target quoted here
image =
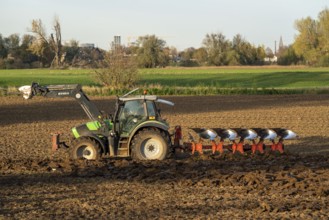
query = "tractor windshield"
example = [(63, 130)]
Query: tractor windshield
[(134, 108), (132, 113)]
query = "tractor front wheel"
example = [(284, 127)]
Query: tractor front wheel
[(150, 144), (85, 148)]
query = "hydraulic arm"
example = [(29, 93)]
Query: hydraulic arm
[(71, 90)]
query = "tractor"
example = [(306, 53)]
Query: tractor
[(135, 130)]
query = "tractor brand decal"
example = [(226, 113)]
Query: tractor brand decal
[(63, 93), (152, 117)]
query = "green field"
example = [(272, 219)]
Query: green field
[(240, 77), (18, 77), (179, 80)]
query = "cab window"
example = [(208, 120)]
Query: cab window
[(132, 113), (151, 109), (133, 108)]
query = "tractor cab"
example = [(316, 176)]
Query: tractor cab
[(133, 111), (138, 129)]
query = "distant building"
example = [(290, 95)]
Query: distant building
[(117, 40), (281, 46), (273, 59), (116, 43), (87, 45)]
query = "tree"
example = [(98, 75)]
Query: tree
[(117, 71), (3, 48), (70, 51), (307, 42), (187, 54), (47, 47), (173, 52), (217, 48), (13, 59), (323, 30), (244, 50), (24, 53), (40, 46), (232, 58), (14, 51), (186, 57), (287, 56), (56, 44), (200, 55), (12, 43), (312, 41), (151, 52), (259, 54)]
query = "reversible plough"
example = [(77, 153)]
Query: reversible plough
[(237, 140)]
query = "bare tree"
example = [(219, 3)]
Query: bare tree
[(117, 71), (56, 44), (43, 45), (40, 43)]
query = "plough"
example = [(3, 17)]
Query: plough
[(237, 140)]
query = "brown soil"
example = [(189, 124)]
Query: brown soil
[(35, 184)]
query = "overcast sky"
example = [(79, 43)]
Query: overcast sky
[(181, 23)]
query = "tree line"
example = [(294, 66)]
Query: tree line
[(38, 49)]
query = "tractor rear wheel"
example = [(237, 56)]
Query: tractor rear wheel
[(150, 144), (85, 148)]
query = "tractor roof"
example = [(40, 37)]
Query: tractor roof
[(147, 98)]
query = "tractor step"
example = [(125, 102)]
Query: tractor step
[(122, 152)]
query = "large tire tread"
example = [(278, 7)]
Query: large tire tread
[(85, 141), (147, 133)]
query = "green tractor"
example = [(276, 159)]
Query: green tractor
[(135, 130)]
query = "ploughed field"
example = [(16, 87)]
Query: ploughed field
[(36, 184)]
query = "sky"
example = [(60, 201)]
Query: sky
[(181, 23)]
